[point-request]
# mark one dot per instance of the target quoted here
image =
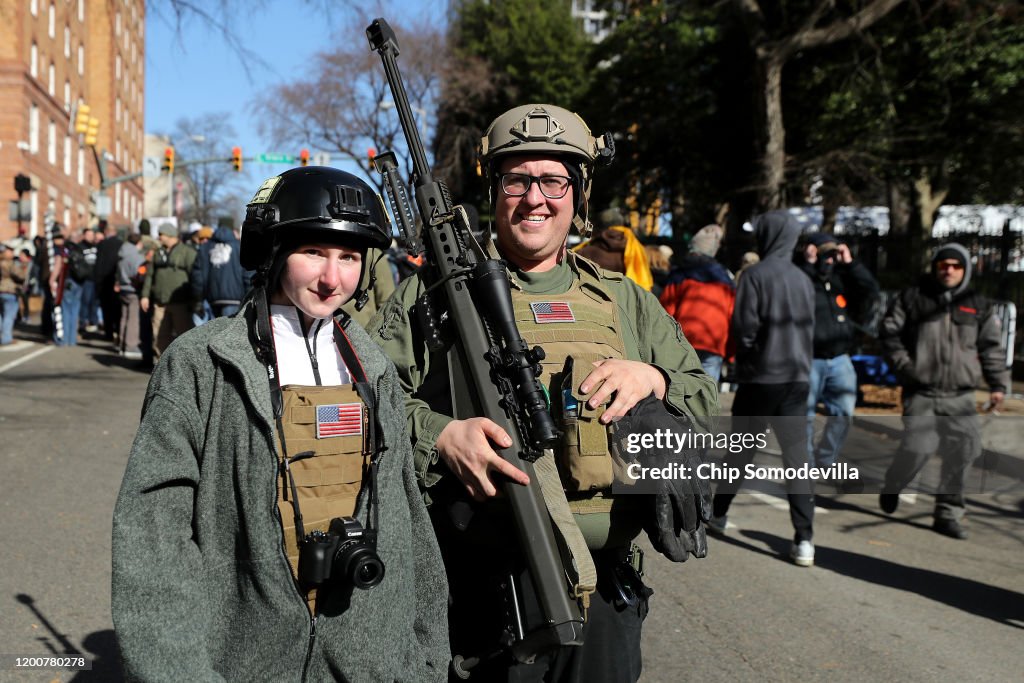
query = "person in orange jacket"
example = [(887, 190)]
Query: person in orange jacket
[(700, 294)]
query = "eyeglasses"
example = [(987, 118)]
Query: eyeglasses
[(518, 184), (949, 265)]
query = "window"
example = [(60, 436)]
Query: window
[(117, 24), (117, 109), (51, 80), (33, 60), (67, 155), (81, 165), (67, 95), (67, 41), (117, 66), (51, 143), (51, 25), (33, 129), (81, 10), (33, 7), (81, 59)]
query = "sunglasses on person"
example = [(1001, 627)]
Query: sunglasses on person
[(949, 265), (518, 184)]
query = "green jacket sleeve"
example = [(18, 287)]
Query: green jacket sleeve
[(147, 282), (391, 329), (161, 613)]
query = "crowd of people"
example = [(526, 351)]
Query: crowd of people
[(240, 492), (123, 286)]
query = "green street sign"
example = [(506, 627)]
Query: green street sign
[(275, 159)]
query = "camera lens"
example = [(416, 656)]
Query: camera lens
[(360, 564), (369, 573)]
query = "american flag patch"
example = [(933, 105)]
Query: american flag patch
[(552, 312), (339, 419)]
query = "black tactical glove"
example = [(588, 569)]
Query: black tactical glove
[(681, 503)]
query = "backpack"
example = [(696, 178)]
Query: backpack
[(78, 267)]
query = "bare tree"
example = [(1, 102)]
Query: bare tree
[(468, 89), (346, 106), (772, 53), (209, 187)]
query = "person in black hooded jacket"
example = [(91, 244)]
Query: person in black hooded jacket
[(844, 289), (773, 327), (941, 338)]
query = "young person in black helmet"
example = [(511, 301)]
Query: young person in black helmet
[(269, 525)]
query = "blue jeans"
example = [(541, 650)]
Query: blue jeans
[(833, 383), (8, 312), (70, 306), (712, 364), (90, 304), (204, 317)]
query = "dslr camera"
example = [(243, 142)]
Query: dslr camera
[(346, 553)]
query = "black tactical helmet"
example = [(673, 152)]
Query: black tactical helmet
[(315, 202)]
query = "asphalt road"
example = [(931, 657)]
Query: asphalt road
[(888, 599)]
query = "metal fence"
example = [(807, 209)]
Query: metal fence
[(997, 264)]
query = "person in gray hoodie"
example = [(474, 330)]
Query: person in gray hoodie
[(129, 259), (942, 338), (273, 442), (773, 327)]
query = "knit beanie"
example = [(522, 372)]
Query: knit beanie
[(951, 251), (707, 240)]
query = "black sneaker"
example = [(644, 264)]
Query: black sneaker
[(888, 502), (950, 527)]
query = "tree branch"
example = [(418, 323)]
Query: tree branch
[(843, 28)]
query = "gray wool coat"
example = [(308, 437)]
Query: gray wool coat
[(201, 587)]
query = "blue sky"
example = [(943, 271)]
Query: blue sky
[(192, 70)]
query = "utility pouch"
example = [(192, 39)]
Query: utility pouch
[(585, 463)]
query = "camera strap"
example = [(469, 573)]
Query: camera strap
[(365, 391), (263, 344)]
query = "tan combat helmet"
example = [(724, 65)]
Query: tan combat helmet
[(548, 130)]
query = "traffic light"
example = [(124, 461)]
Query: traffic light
[(236, 158), (92, 131), (82, 118), (168, 160), (304, 157)]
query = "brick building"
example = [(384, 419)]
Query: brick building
[(55, 55)]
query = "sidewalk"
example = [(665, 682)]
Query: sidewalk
[(1002, 433)]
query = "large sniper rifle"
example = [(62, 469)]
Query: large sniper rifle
[(500, 371)]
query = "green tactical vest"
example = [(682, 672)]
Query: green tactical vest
[(583, 323), (333, 423)]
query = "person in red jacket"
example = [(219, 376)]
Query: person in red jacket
[(700, 294)]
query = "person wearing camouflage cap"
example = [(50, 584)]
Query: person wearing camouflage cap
[(538, 161)]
